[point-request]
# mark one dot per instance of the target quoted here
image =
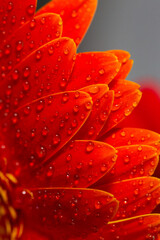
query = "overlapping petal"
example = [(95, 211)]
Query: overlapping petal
[(24, 41), (76, 16), (75, 211), (131, 136), (13, 15), (140, 228), (136, 196), (54, 104), (43, 72), (79, 164), (93, 68), (38, 130)]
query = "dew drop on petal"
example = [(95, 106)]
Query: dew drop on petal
[(89, 147)]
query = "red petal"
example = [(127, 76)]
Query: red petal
[(93, 68), (25, 40), (13, 15), (122, 108), (102, 104), (37, 131), (29, 234), (76, 16), (133, 161), (66, 213), (144, 227), (79, 164), (136, 196), (43, 72), (132, 136)]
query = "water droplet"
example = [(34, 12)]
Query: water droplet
[(15, 75), (32, 23), (101, 71), (45, 131), (89, 147), (26, 86), (66, 51), (88, 106), (65, 97), (103, 168), (10, 6), (94, 89), (40, 105), (19, 46), (7, 49), (41, 151), (68, 158), (74, 13), (56, 140), (76, 109), (97, 205), (30, 9), (51, 50), (38, 55), (26, 72)]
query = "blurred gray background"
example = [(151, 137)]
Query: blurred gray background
[(132, 25)]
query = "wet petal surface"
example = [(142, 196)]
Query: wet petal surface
[(76, 16), (43, 127), (77, 211), (79, 164)]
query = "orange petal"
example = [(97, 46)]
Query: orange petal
[(122, 55), (132, 136), (102, 104), (133, 161), (43, 72), (93, 68), (124, 70), (144, 227), (122, 107), (136, 196), (13, 15), (37, 131), (79, 164), (76, 16), (26, 40), (65, 213)]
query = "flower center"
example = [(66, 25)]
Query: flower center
[(10, 225)]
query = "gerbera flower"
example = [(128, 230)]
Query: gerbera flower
[(66, 171)]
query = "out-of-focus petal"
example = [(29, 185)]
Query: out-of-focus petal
[(133, 161), (14, 14), (102, 105), (132, 136), (79, 164), (65, 213), (93, 68), (26, 40), (136, 196), (30, 234), (43, 72), (146, 114), (37, 131), (76, 16)]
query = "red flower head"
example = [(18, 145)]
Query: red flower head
[(67, 171)]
